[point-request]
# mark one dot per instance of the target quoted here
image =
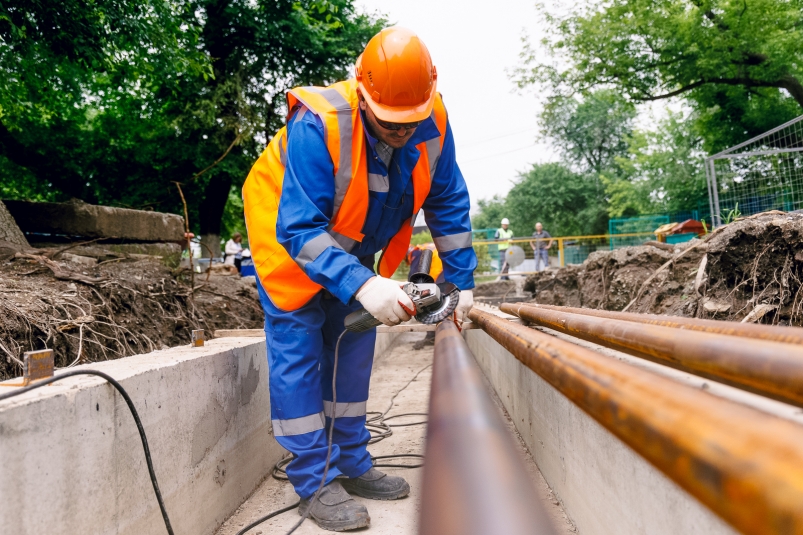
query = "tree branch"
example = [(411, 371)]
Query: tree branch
[(674, 93), (214, 164), (788, 82)]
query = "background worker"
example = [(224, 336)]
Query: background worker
[(503, 234), (234, 251), (540, 246), (316, 217)]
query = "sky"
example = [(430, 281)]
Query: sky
[(472, 45)]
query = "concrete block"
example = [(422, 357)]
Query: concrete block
[(71, 460), (605, 487), (77, 218)]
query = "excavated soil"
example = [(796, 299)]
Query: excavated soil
[(748, 270), (126, 306)]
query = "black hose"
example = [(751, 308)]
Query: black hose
[(134, 413)]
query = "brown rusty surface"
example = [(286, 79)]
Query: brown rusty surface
[(745, 465), (769, 333), (474, 481), (772, 369)]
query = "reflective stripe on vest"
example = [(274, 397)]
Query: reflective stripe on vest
[(337, 107)]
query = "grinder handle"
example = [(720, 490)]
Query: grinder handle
[(360, 321)]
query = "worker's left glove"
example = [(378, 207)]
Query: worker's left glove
[(464, 304)]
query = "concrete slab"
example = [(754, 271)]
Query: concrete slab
[(393, 369), (71, 460), (77, 218)]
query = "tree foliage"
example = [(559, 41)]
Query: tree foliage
[(660, 170), (110, 101), (739, 62), (491, 212), (564, 201), (589, 133), (664, 169)]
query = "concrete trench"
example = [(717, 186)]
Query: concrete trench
[(71, 461), (392, 370)]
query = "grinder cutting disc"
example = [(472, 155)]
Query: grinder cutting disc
[(450, 294)]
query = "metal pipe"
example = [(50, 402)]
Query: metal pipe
[(474, 481), (770, 369), (743, 464), (769, 333)]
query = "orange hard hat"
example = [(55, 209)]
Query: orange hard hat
[(396, 76)]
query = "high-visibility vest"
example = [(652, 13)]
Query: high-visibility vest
[(337, 106), (504, 235)]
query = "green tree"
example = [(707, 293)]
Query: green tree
[(739, 62), (564, 201), (665, 169), (589, 133), (65, 64), (490, 214)]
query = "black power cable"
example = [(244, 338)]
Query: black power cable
[(134, 413)]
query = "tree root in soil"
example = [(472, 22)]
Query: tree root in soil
[(123, 309)]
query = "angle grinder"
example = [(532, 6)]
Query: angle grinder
[(433, 302)]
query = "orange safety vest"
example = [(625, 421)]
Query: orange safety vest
[(285, 281)]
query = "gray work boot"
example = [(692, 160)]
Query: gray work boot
[(335, 510), (375, 485)]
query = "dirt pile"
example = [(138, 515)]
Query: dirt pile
[(495, 288), (751, 269), (90, 311)]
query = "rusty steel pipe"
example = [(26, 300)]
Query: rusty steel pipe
[(743, 464), (769, 333), (475, 481), (771, 369)]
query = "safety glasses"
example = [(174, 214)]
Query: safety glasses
[(397, 126)]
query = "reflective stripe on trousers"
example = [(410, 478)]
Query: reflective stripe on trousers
[(300, 347)]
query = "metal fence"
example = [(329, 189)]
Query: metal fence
[(763, 173)]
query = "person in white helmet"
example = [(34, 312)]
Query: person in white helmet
[(504, 234)]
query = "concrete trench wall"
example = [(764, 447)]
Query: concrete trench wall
[(71, 461), (605, 487)]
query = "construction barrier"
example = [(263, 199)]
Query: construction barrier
[(564, 249)]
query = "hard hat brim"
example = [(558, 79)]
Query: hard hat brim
[(401, 114)]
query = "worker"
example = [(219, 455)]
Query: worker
[(233, 252), (505, 235), (541, 246), (343, 180)]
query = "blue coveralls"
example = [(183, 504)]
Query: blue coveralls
[(301, 343)]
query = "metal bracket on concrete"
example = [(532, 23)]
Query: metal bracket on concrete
[(198, 338), (36, 365)]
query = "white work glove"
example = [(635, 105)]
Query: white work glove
[(464, 304), (383, 299)]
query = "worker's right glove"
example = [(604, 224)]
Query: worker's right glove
[(383, 299)]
